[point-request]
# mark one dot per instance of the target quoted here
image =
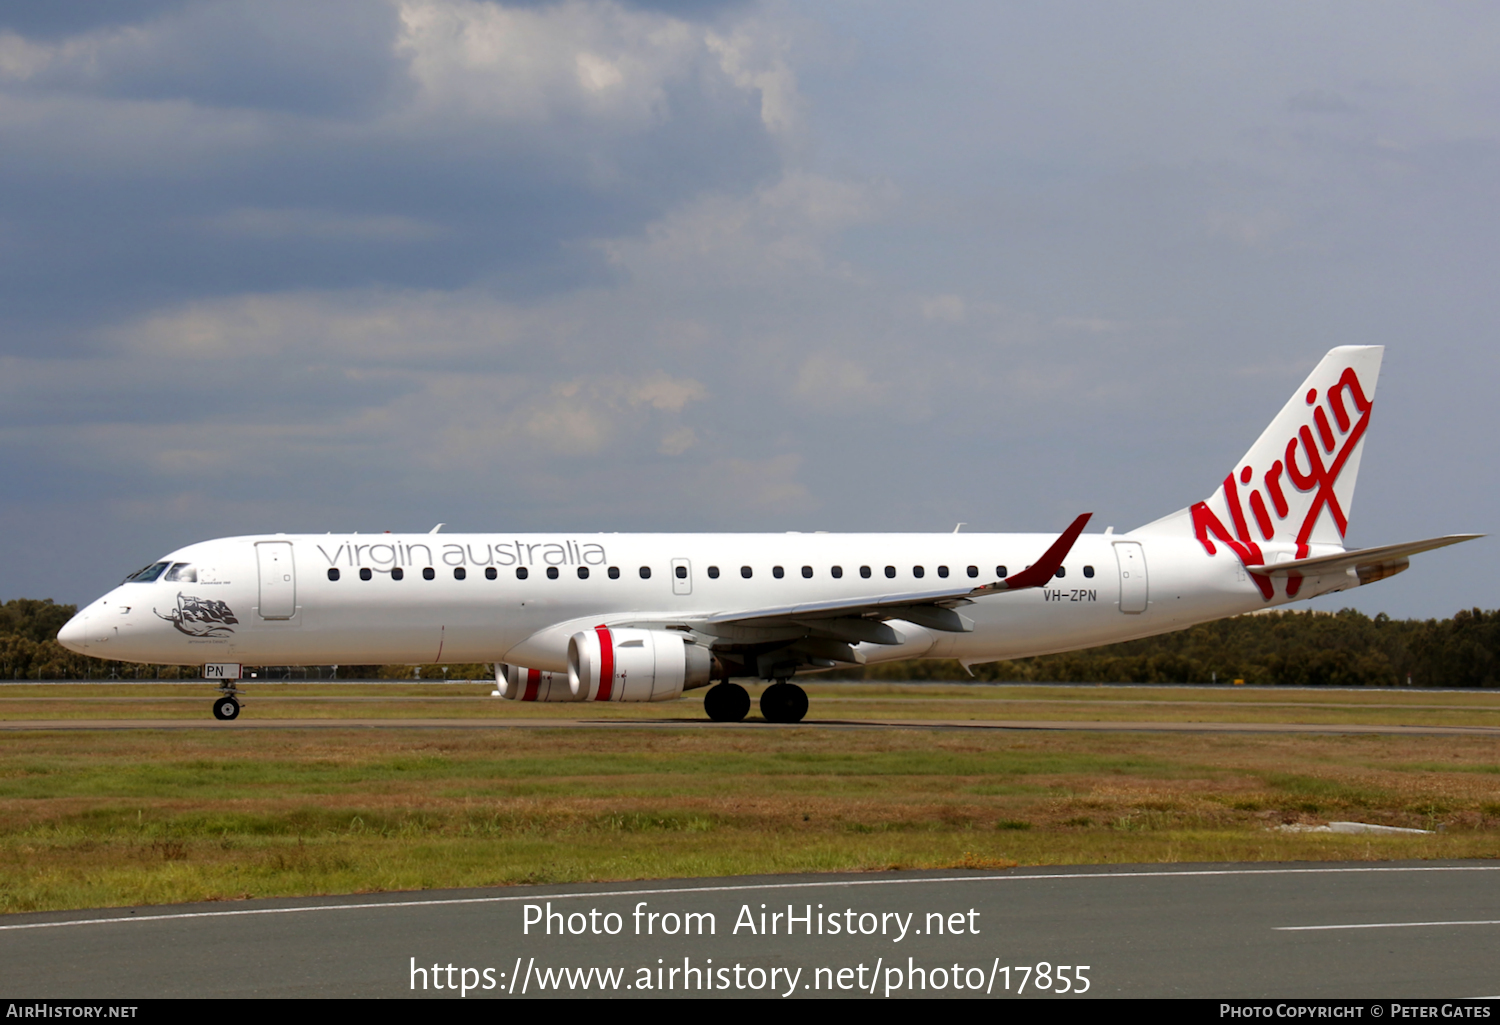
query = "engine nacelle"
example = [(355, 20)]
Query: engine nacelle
[(521, 684), (634, 665)]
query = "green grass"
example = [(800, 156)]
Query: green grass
[(91, 818)]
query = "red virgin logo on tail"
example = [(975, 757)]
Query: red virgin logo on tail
[(1311, 465)]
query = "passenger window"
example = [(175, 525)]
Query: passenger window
[(645, 572), (681, 572), (943, 572), (182, 573), (551, 572), (777, 572), (1000, 572), (583, 572), (746, 572), (973, 571), (807, 572), (429, 573), (1062, 571), (365, 573), (1088, 571), (459, 573), (713, 572), (490, 573), (614, 573), (864, 571), (333, 574), (522, 573), (890, 571), (918, 572), (397, 573), (837, 572)]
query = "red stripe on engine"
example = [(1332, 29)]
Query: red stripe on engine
[(533, 676), (606, 663)]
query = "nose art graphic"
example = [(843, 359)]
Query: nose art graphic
[(200, 617)]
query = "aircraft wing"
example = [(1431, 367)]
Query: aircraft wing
[(1359, 557), (926, 608)]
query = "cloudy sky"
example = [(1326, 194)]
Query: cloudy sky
[(630, 265)]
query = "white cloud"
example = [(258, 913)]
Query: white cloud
[(757, 60), (677, 442), (1254, 229), (761, 485), (21, 58), (944, 307), (539, 63), (783, 227), (826, 379)]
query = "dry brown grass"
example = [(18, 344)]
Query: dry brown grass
[(831, 700)]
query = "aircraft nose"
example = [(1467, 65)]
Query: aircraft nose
[(73, 635)]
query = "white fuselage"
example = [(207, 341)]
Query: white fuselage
[(270, 599)]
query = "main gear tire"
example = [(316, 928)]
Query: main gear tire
[(727, 702), (226, 709), (783, 703)]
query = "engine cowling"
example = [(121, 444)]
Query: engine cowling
[(521, 684), (607, 664)]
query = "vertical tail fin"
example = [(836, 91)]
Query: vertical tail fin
[(1295, 486)]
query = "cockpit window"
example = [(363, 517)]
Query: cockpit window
[(147, 575), (182, 573)]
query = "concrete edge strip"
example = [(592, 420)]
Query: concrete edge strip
[(1092, 726), (745, 887), (1378, 925)]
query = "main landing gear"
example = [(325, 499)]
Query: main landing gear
[(780, 702), (227, 705), (783, 702), (727, 702)]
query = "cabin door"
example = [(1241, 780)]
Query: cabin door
[(1133, 583), (278, 579)]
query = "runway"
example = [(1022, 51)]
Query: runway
[(1217, 931), (1095, 726)]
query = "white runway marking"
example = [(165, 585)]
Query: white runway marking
[(740, 887), (1379, 925)]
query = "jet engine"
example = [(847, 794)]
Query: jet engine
[(607, 664), (521, 684)]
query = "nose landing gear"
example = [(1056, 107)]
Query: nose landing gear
[(227, 705)]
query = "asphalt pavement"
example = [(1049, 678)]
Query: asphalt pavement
[(1405, 930)]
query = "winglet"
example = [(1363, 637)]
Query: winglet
[(1043, 569)]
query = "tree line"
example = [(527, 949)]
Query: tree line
[(1294, 649)]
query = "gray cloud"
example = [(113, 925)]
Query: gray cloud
[(604, 266), (56, 21), (130, 191), (333, 58)]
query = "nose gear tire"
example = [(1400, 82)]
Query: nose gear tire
[(226, 709)]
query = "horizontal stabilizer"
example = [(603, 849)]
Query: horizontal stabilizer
[(1322, 564)]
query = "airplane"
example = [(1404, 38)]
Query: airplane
[(647, 617)]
